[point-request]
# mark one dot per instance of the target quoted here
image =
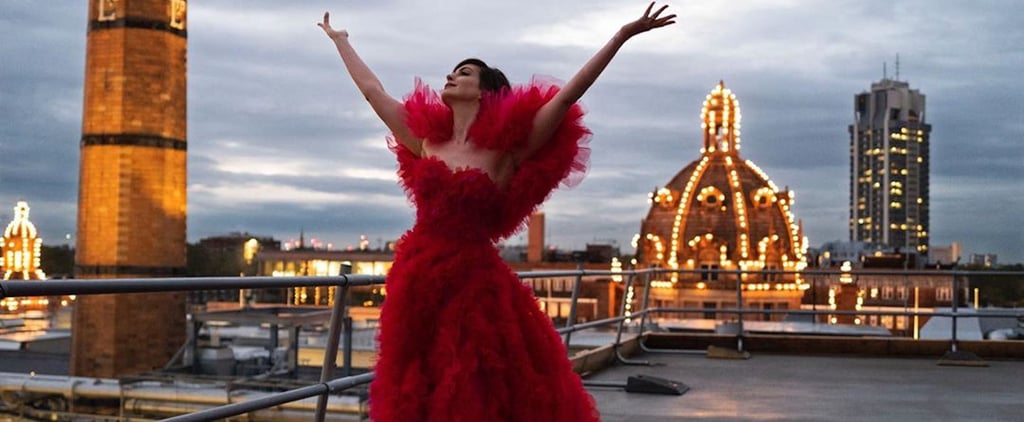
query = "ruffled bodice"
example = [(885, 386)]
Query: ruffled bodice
[(447, 199)]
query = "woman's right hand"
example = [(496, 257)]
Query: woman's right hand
[(648, 21), (334, 34)]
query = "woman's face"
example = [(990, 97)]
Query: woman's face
[(463, 84)]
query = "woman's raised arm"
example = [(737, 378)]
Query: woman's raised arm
[(550, 115), (390, 110)]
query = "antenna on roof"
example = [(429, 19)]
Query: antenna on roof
[(885, 71), (897, 66)]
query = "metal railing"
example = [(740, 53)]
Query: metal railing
[(328, 384), (957, 285)]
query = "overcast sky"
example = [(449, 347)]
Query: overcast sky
[(280, 141)]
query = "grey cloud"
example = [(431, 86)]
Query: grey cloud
[(264, 82)]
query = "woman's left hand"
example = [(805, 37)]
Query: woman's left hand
[(334, 34), (648, 21)]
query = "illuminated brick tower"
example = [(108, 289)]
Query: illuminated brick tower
[(131, 203), (889, 160)]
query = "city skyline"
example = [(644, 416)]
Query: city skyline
[(279, 140)]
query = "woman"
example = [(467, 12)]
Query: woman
[(461, 338)]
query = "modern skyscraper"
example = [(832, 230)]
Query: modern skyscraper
[(889, 159), (131, 201)]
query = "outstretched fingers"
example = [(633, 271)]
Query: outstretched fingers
[(655, 20), (647, 12), (665, 21), (649, 20), (327, 21), (655, 15), (334, 34)]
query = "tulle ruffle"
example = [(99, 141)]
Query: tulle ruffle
[(463, 339), (504, 123)]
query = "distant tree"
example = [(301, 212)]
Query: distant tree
[(209, 262), (998, 290), (57, 261)]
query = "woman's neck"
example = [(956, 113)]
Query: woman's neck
[(463, 115)]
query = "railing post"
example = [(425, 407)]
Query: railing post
[(955, 356), (196, 326), (647, 297), (293, 340), (333, 337), (275, 338), (814, 299), (952, 344), (739, 308), (622, 323), (347, 351), (572, 304), (622, 309)]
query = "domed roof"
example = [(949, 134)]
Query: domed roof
[(21, 245), (20, 226), (722, 211)]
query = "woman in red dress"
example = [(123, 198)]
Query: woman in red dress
[(461, 337)]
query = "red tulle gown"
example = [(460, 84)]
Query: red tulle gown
[(461, 337)]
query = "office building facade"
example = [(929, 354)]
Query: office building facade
[(889, 162)]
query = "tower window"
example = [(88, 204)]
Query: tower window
[(711, 197), (763, 197), (709, 272)]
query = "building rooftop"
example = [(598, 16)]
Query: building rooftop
[(771, 387)]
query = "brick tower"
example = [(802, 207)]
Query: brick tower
[(131, 200)]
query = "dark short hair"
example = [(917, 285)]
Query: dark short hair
[(491, 79)]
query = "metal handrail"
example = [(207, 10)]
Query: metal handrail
[(745, 311), (17, 288), (300, 393), (11, 288)]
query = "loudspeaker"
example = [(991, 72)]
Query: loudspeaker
[(654, 385)]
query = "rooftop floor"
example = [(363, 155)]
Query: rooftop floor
[(814, 388)]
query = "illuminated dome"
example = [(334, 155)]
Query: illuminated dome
[(722, 212), (21, 245)]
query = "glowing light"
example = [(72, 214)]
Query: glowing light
[(664, 197), (21, 247), (710, 196), (249, 250), (720, 121), (683, 209), (845, 277)]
